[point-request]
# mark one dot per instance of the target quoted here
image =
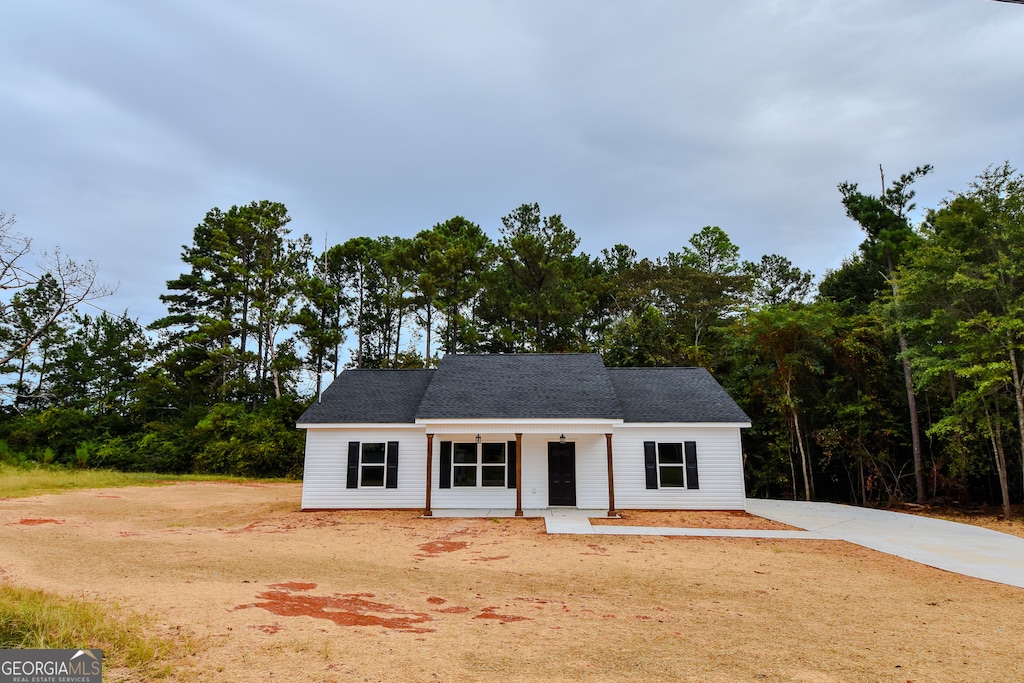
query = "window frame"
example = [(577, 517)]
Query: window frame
[(673, 464), (360, 459), (657, 459), (383, 464), (479, 465)]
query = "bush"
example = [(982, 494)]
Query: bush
[(166, 448), (116, 453), (56, 433), (230, 440)]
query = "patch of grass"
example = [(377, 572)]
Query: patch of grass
[(35, 619), (19, 482)]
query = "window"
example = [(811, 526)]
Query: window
[(464, 464), (478, 464), (372, 464), (475, 465), (671, 465)]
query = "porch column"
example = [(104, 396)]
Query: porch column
[(427, 512), (611, 478), (519, 475)]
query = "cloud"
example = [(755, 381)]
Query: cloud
[(125, 122)]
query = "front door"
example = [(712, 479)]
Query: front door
[(561, 473)]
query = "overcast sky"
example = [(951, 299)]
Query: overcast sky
[(123, 122)]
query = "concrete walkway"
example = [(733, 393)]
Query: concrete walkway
[(960, 548)]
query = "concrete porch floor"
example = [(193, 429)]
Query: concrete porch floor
[(548, 513)]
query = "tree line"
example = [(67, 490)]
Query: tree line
[(897, 376)]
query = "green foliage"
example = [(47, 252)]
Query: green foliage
[(56, 432), (884, 218), (222, 335), (775, 281), (962, 294), (100, 359), (541, 287), (165, 448), (854, 285), (783, 351), (642, 340), (702, 286), (450, 260), (255, 320), (230, 440)]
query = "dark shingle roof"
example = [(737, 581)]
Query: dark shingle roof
[(524, 386), (371, 396), (528, 385), (673, 395)]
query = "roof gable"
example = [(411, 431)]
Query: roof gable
[(524, 386), (370, 396), (673, 395)]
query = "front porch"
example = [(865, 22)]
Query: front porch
[(537, 468)]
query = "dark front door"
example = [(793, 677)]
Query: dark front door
[(561, 473)]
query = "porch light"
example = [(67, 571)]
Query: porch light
[(478, 439), (561, 439)]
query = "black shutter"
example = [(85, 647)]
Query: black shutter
[(446, 465), (391, 480), (691, 465), (650, 465), (353, 465), (510, 459)]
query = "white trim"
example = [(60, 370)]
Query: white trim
[(684, 425), (524, 426), (480, 464), (527, 426), (524, 420), (389, 426)]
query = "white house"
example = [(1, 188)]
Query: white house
[(524, 431)]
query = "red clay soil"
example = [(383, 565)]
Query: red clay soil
[(492, 613), (435, 548), (349, 609), (691, 519), (36, 522), (391, 596)]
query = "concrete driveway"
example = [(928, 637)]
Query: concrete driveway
[(961, 548)]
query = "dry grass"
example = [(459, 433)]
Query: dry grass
[(35, 619), (20, 482), (388, 596)]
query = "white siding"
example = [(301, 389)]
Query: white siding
[(591, 472), (719, 466), (719, 462), (326, 469), (464, 496)]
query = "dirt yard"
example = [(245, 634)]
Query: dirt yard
[(270, 593)]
